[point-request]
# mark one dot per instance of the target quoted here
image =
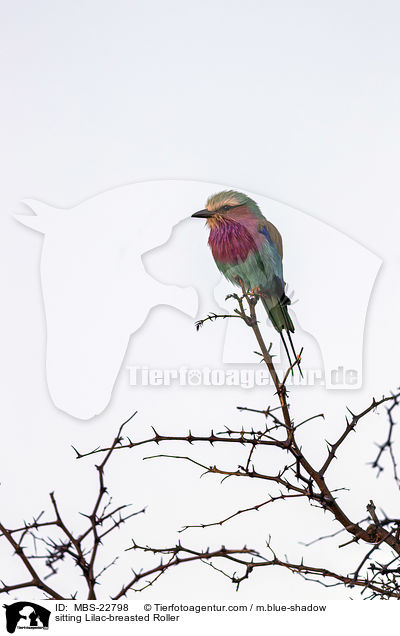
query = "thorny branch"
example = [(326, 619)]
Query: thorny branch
[(42, 546), (299, 478), (387, 445)]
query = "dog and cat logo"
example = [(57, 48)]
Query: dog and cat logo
[(26, 615)]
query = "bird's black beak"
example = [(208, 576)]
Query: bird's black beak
[(202, 214)]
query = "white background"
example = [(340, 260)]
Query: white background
[(298, 101)]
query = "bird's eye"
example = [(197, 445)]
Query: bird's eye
[(225, 208)]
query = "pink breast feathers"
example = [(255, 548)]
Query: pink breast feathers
[(231, 242)]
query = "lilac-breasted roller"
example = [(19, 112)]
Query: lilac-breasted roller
[(245, 245)]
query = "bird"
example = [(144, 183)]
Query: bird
[(248, 248)]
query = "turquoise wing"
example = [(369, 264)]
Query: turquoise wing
[(270, 256)]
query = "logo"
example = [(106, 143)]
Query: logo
[(26, 615)]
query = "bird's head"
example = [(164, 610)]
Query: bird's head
[(226, 206)]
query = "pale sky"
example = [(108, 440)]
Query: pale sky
[(295, 102)]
